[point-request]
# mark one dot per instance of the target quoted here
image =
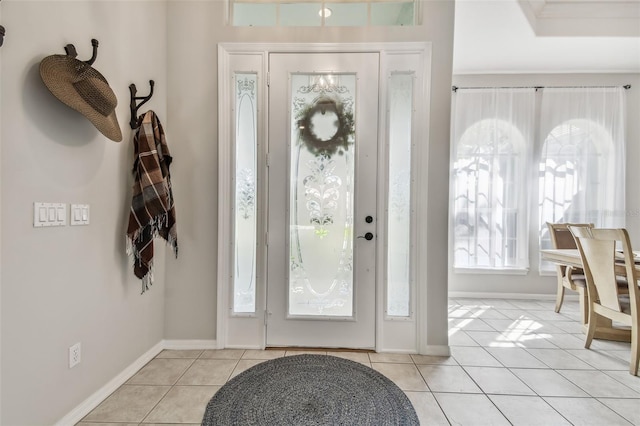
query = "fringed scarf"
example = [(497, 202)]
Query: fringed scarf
[(152, 209)]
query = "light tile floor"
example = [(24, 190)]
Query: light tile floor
[(513, 362)]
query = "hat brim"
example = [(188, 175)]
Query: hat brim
[(57, 72)]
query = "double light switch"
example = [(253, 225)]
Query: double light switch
[(79, 214)]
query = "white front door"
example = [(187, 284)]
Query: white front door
[(322, 198)]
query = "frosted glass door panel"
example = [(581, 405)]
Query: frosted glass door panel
[(323, 145), (399, 220), (321, 195), (244, 295)]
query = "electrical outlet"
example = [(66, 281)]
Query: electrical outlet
[(75, 355)]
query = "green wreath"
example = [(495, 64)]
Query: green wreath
[(345, 128)]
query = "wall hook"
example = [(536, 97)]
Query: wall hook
[(71, 51), (1, 35), (134, 107)]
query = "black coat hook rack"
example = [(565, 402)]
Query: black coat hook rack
[(71, 51), (134, 107)]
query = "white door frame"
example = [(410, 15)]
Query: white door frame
[(248, 330), (357, 73)]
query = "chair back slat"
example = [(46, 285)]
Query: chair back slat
[(598, 251), (561, 236)]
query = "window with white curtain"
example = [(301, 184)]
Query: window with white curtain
[(582, 163), (492, 140)]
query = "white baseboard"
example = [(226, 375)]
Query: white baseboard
[(89, 404), (189, 344), (526, 296), (86, 406)]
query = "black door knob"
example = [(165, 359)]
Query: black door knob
[(368, 219), (368, 236)]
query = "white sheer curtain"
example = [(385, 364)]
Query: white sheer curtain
[(582, 164), (491, 151)]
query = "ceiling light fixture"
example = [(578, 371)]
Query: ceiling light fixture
[(324, 12)]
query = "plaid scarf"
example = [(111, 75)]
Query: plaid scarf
[(152, 209)]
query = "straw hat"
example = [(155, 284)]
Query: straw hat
[(84, 89)]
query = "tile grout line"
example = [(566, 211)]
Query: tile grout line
[(170, 386), (555, 348)]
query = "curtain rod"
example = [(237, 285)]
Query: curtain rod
[(455, 88)]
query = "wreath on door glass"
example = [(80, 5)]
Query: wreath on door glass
[(344, 127)]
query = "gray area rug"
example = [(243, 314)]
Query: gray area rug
[(310, 390)]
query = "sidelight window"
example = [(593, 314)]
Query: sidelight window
[(246, 136)]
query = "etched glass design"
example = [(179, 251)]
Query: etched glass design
[(399, 203), (246, 136), (321, 195)]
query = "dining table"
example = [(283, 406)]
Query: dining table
[(571, 257), (605, 329)]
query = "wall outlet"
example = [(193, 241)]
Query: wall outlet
[(75, 355)]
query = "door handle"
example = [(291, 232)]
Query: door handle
[(368, 236)]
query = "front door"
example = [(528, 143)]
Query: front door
[(322, 198)]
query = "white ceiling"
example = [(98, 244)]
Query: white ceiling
[(498, 36)]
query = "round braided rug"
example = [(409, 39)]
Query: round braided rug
[(310, 390)]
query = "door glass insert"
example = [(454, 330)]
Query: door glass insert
[(321, 202), (244, 294), (399, 203)]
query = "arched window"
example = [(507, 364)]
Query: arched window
[(490, 158), (581, 171), (573, 178)]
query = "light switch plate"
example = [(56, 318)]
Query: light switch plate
[(49, 214), (80, 214)]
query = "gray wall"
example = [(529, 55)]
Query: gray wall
[(64, 285), (74, 284), (533, 283), (71, 284)]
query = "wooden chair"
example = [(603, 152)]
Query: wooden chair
[(607, 302), (568, 277)]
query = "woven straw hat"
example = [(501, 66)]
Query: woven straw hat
[(84, 89)]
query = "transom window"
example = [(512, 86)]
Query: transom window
[(321, 13)]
